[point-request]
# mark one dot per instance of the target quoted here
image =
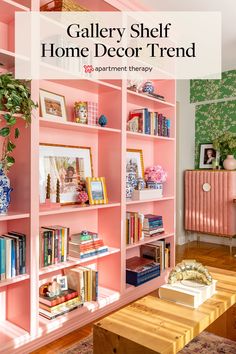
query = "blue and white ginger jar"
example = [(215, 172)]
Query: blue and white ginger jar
[(5, 191)]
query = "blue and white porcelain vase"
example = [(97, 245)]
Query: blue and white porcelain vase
[(148, 87), (5, 191)]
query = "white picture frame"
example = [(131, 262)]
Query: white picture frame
[(52, 106), (69, 164), (62, 280), (207, 156)]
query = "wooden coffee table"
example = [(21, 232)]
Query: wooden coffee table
[(152, 325)]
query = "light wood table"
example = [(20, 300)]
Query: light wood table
[(152, 325)]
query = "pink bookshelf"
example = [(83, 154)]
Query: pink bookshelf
[(21, 327)]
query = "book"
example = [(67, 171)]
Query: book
[(140, 270), (150, 252), (2, 258), (21, 250), (82, 238), (60, 307), (187, 292), (56, 300), (51, 316), (134, 227)]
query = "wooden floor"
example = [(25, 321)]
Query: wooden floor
[(207, 253)]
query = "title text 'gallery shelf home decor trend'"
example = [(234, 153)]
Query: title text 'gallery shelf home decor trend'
[(15, 104), (102, 224)]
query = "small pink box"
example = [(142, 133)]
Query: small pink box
[(92, 113)]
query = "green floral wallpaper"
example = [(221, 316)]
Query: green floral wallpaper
[(214, 118), (211, 120), (205, 90)]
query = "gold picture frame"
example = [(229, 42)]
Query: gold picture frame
[(71, 156), (135, 154), (97, 191)]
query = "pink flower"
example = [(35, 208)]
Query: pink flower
[(82, 197), (155, 174)]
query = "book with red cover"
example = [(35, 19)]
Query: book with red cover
[(59, 299), (138, 264)]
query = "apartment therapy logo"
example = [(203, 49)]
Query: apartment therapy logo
[(138, 31)]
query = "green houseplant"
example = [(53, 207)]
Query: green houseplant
[(15, 100), (15, 104), (226, 145)]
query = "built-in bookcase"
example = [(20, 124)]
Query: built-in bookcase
[(21, 328)]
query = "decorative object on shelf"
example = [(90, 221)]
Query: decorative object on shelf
[(81, 112), (140, 184), (54, 289), (208, 156), (15, 99), (134, 85), (226, 145), (155, 176), (148, 87), (148, 193), (48, 187), (58, 199), (62, 5), (92, 113), (192, 270), (97, 192), (69, 164), (83, 197), (102, 121), (5, 191), (52, 105), (134, 162), (129, 186)]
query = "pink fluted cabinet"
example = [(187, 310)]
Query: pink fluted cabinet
[(209, 206)]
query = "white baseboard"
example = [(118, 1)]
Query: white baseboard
[(183, 239)]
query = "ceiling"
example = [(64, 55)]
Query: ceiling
[(228, 11)]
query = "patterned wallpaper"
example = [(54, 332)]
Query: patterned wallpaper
[(205, 90), (214, 118)]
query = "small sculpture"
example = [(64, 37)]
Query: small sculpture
[(48, 187), (102, 120), (190, 269), (140, 184), (148, 87), (58, 199), (81, 112), (54, 289)]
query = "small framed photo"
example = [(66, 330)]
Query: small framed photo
[(134, 162), (52, 106), (62, 280), (97, 192), (207, 156), (71, 165)]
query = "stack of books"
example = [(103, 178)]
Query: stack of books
[(134, 227), (158, 251), (53, 245), (145, 122), (52, 307), (12, 255), (86, 245), (85, 281), (140, 270), (152, 225)]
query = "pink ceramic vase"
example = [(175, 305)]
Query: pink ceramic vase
[(230, 163)]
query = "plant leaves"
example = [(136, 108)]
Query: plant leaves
[(10, 146), (17, 133), (10, 161), (5, 132), (12, 121)]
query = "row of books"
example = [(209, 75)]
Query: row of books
[(139, 226), (51, 307), (54, 242), (12, 255), (157, 251), (145, 122), (86, 244), (85, 281)]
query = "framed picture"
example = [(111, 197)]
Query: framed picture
[(62, 280), (97, 191), (52, 106), (70, 164), (207, 155), (134, 162)]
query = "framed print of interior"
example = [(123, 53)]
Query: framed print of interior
[(52, 105), (69, 164)]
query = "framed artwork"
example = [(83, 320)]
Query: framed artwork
[(70, 164), (52, 105), (62, 280), (207, 155), (134, 162), (97, 192)]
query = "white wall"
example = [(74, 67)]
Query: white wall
[(185, 149)]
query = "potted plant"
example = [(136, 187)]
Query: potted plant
[(15, 104), (226, 145)]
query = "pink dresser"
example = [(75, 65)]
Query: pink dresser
[(209, 206)]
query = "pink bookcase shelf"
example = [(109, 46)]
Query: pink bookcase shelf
[(22, 330), (74, 261)]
